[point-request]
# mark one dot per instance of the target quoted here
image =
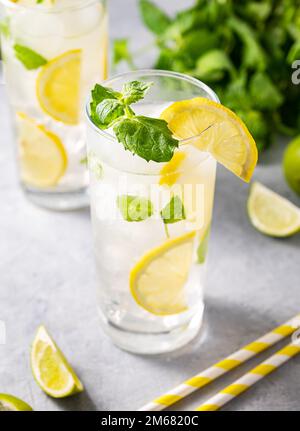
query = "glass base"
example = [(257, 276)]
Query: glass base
[(146, 343), (63, 201)]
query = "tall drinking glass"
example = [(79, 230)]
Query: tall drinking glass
[(53, 51), (151, 268)]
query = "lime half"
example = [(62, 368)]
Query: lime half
[(9, 403), (272, 214), (50, 368)]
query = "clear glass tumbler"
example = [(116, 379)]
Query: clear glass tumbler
[(151, 274), (53, 52)]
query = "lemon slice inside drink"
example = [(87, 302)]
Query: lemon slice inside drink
[(226, 137), (272, 214), (50, 368), (170, 173), (43, 158), (157, 281), (9, 403), (58, 87)]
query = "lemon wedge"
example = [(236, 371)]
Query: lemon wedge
[(272, 214), (58, 87), (157, 280), (9, 403), (43, 158), (50, 368), (227, 138)]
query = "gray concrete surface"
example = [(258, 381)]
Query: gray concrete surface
[(47, 276)]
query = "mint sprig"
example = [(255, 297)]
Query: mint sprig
[(149, 138)]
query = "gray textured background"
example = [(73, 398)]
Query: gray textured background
[(47, 276)]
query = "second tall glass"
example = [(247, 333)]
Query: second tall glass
[(53, 52)]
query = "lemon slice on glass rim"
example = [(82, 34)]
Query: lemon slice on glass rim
[(211, 127)]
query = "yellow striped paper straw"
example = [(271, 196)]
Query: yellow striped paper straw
[(244, 383), (233, 361)]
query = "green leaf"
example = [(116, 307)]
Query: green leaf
[(134, 208), (198, 42), (259, 126), (108, 111), (5, 27), (212, 65), (294, 52), (264, 94), (29, 58), (203, 246), (84, 161), (256, 11), (134, 91), (149, 138), (254, 56), (121, 52), (154, 18), (236, 94), (100, 93), (174, 211)]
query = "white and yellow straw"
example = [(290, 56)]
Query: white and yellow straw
[(233, 361), (244, 383)]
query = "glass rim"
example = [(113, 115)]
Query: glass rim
[(150, 72), (48, 9)]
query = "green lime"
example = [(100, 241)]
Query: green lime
[(8, 403), (291, 165), (51, 369), (272, 214)]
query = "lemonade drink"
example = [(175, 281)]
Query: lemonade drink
[(53, 52), (151, 265)]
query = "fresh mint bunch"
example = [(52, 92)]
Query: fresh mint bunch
[(149, 138), (244, 49)]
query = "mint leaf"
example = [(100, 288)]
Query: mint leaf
[(134, 91), (154, 18), (264, 94), (212, 65), (100, 93), (5, 27), (107, 111), (121, 52), (174, 211), (202, 249), (29, 58), (149, 138), (134, 208)]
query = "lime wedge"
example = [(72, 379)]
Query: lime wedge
[(9, 403), (272, 214), (50, 368)]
